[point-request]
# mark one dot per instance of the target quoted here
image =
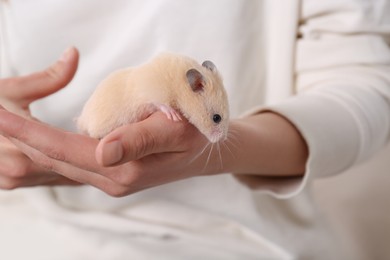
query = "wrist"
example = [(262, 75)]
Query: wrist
[(265, 144)]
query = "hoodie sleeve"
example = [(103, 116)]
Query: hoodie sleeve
[(342, 85)]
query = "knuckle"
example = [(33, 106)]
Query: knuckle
[(10, 184), (117, 191), (17, 171), (54, 72), (46, 164), (127, 179), (22, 131), (55, 154), (145, 143), (139, 146)]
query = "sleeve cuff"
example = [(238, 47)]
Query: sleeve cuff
[(331, 130)]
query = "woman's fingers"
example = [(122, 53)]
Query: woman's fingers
[(78, 175), (156, 134), (24, 90), (17, 170), (155, 151), (55, 143), (68, 154)]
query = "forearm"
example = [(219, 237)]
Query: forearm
[(265, 144)]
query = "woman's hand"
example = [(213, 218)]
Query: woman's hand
[(148, 153), (16, 94), (157, 151), (135, 156)]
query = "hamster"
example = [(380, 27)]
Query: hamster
[(174, 84)]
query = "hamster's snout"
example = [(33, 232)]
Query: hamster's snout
[(216, 135)]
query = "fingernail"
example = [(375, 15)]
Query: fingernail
[(66, 54), (112, 153)]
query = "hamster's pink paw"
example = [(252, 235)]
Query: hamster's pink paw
[(171, 113)]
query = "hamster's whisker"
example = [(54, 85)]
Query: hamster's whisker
[(232, 132), (199, 154), (220, 155), (208, 157), (232, 140), (228, 148), (204, 149)]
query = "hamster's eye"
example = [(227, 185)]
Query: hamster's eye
[(217, 118)]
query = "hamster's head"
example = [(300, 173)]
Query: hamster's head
[(207, 106)]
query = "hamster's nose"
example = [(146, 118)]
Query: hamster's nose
[(216, 135)]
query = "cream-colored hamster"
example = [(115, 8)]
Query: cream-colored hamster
[(174, 84)]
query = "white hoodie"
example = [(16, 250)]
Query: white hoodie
[(324, 65)]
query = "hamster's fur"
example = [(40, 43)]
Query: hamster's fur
[(172, 83)]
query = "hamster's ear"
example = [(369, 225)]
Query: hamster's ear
[(209, 65), (195, 79)]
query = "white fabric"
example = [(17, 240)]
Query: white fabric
[(339, 67)]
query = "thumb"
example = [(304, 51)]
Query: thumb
[(26, 89), (156, 134)]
